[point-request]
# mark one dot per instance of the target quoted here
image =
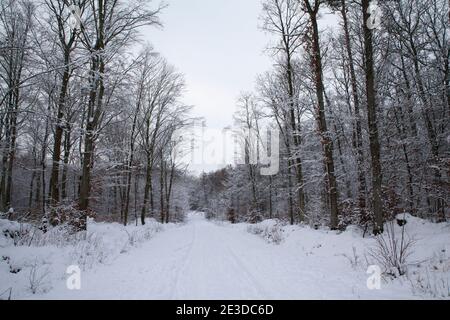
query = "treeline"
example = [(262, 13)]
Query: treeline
[(363, 115), (87, 112)]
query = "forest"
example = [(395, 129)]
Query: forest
[(90, 116), (363, 116), (87, 113)]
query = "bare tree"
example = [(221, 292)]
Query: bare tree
[(67, 38), (284, 18), (16, 19), (327, 143), (165, 89), (377, 206), (114, 24)]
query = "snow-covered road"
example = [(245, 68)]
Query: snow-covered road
[(203, 260)]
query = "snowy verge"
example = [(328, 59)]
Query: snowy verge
[(425, 262), (32, 260)]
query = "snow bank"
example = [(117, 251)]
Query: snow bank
[(31, 260), (203, 259), (427, 265)]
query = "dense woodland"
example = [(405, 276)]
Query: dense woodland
[(88, 115), (87, 112), (363, 115)]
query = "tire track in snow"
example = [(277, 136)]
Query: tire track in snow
[(185, 259), (262, 292)]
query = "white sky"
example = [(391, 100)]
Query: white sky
[(219, 48)]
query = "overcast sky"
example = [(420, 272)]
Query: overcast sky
[(219, 48)]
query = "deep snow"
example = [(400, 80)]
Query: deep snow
[(209, 260)]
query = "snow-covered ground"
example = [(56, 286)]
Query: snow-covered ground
[(210, 260)]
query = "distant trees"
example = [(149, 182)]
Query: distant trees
[(162, 115), (247, 119), (284, 18), (16, 22)]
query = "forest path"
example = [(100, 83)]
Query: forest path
[(204, 260)]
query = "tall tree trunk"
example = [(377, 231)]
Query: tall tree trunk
[(270, 197), (296, 139), (33, 177), (10, 143), (94, 112), (11, 154), (290, 198), (3, 178), (161, 186), (148, 192), (377, 206), (148, 189), (136, 190), (37, 194), (169, 191), (44, 158), (67, 147), (54, 178), (130, 161), (358, 120), (95, 105), (327, 143)]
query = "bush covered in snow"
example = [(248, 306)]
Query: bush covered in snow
[(26, 234), (142, 234), (270, 230), (69, 215)]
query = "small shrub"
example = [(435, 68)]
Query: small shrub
[(6, 295), (269, 230), (254, 216), (38, 281), (353, 259), (90, 251), (350, 214), (141, 234), (391, 252), (69, 215), (434, 280), (436, 285), (231, 215)]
